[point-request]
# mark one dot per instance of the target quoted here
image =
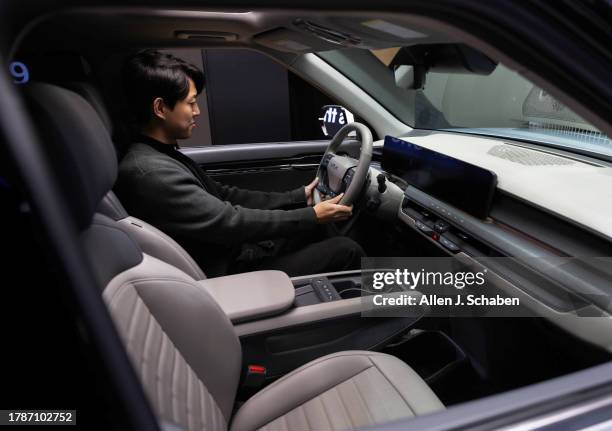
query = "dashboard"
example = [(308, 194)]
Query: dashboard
[(575, 188), (544, 247), (467, 187)]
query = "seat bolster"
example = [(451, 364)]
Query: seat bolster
[(324, 374), (159, 245), (408, 383), (111, 207)]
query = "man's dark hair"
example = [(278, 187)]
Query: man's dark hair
[(150, 74)]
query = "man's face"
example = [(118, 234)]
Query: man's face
[(181, 120)]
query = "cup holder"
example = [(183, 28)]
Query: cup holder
[(348, 289)]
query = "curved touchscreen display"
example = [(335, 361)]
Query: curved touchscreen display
[(457, 183)]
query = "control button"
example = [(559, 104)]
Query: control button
[(423, 228), (441, 226), (326, 160), (463, 236), (448, 244)]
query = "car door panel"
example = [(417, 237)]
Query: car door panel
[(274, 166)]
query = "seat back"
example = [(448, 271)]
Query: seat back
[(181, 343), (152, 240)]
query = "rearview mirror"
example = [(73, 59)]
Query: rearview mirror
[(412, 63), (333, 118), (410, 77)]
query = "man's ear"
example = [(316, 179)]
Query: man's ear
[(159, 108)]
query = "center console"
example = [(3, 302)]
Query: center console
[(285, 322), (252, 295), (326, 288)]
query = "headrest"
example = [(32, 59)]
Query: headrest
[(77, 144), (90, 93)]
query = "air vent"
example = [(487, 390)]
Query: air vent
[(527, 157), (206, 35), (327, 34)]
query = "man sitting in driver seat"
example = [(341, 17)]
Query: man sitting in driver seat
[(225, 229)]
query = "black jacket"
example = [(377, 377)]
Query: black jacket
[(162, 186)]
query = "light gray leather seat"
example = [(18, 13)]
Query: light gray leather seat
[(152, 241), (181, 343), (341, 391)]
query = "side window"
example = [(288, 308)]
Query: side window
[(249, 98)]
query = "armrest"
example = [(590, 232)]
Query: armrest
[(251, 295)]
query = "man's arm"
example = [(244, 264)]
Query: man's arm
[(258, 199), (170, 198)]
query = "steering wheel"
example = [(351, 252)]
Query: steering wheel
[(341, 174)]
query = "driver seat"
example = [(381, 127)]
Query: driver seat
[(182, 345)]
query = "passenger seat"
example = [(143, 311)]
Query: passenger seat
[(182, 345), (151, 240)]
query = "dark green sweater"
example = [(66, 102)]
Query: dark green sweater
[(165, 188)]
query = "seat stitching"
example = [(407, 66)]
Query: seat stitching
[(275, 384), (312, 364), (310, 399), (285, 422), (140, 280), (134, 284), (133, 319), (331, 425), (305, 417), (113, 296), (373, 379), (348, 413), (144, 359), (177, 353), (158, 375), (172, 390), (394, 387), (191, 419), (367, 408), (203, 409)]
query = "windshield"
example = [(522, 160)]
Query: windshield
[(502, 103)]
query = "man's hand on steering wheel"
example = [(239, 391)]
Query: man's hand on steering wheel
[(338, 173), (308, 191), (329, 211), (343, 176)]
